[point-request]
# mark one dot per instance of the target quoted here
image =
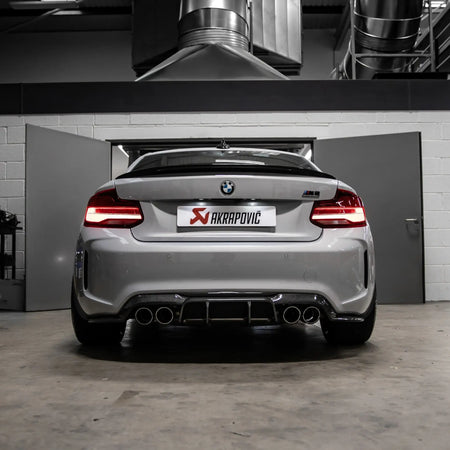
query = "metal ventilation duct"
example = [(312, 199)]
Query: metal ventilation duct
[(277, 33), (383, 26), (214, 22), (213, 44)]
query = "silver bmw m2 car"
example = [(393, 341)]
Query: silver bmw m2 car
[(224, 235)]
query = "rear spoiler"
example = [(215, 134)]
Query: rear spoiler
[(223, 169)]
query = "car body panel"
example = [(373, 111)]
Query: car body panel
[(332, 266), (163, 262)]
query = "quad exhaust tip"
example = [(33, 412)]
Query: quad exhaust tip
[(144, 316), (164, 315), (292, 315), (311, 315)]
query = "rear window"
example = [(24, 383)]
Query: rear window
[(195, 158)]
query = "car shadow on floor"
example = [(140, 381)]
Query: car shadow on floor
[(214, 345)]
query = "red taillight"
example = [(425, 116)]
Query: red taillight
[(106, 209), (345, 210)]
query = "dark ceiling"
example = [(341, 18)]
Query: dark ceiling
[(102, 15)]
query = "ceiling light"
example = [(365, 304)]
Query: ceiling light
[(438, 3)]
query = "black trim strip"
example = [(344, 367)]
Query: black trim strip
[(86, 270), (225, 96), (366, 269)]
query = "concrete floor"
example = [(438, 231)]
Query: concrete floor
[(227, 388)]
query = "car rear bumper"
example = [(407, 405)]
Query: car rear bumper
[(113, 271)]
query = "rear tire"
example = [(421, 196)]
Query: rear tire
[(348, 333), (95, 333)]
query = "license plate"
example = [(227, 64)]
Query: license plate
[(226, 216)]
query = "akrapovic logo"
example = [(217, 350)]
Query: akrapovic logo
[(202, 215), (226, 216)]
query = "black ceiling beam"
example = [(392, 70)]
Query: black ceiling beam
[(225, 96)]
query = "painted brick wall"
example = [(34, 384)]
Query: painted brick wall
[(434, 126)]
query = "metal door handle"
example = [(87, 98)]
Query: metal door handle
[(412, 220)]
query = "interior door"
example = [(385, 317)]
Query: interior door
[(386, 171), (62, 172)]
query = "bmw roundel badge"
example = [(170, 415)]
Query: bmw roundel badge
[(227, 187)]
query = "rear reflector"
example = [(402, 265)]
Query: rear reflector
[(106, 210), (345, 210)]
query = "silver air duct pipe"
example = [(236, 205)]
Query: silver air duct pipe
[(382, 26), (214, 38), (214, 22)]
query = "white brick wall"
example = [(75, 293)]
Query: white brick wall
[(12, 152), (16, 135), (15, 170), (434, 126), (12, 188)]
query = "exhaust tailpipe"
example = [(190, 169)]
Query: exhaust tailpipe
[(164, 315), (311, 315), (292, 315), (143, 316)]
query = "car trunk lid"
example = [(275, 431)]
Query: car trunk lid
[(260, 207)]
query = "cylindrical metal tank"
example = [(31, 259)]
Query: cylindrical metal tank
[(383, 26)]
